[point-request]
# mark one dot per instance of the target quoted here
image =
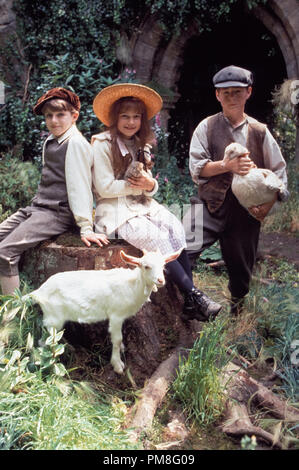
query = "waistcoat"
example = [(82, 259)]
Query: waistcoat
[(219, 136), (52, 191)]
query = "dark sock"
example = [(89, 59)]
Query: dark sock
[(179, 276), (183, 259)]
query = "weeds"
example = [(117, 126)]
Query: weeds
[(40, 406), (197, 384)]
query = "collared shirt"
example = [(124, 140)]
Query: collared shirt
[(78, 166), (200, 154)]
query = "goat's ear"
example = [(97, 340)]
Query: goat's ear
[(129, 259), (172, 257)]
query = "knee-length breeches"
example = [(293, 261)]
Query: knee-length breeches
[(238, 235), (25, 229)]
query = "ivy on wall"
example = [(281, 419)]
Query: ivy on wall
[(73, 44)]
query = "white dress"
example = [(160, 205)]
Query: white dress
[(154, 227)]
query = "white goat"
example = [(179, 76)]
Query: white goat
[(92, 296), (258, 186)]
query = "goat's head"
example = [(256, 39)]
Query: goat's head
[(152, 265), (234, 150)]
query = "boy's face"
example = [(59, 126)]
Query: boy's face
[(58, 122), (233, 98)]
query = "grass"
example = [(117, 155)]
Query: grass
[(41, 408), (54, 415), (197, 385), (286, 219)]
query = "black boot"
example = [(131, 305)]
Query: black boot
[(199, 306)]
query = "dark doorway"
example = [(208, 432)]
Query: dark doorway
[(243, 41)]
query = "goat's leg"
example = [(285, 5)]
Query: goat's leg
[(115, 330)]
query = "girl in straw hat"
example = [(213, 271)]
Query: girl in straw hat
[(126, 206)]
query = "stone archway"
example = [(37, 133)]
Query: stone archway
[(158, 60)]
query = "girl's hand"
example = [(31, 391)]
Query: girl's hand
[(98, 238), (145, 182)]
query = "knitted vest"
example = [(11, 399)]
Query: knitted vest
[(219, 136), (52, 191)]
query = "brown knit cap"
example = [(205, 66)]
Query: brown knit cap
[(57, 93)]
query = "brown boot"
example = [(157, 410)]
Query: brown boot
[(199, 306)]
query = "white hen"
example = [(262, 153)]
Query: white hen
[(258, 186)]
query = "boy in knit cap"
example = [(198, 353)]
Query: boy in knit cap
[(64, 196), (217, 214)]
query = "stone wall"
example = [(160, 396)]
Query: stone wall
[(156, 59), (15, 70)]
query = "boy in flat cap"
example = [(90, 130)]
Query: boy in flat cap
[(64, 196), (217, 215)]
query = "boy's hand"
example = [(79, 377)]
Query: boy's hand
[(240, 165), (98, 238), (260, 212)]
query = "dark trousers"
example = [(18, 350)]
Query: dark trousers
[(238, 235)]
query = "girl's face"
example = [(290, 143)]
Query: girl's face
[(129, 122)]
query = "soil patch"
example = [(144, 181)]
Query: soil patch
[(280, 244)]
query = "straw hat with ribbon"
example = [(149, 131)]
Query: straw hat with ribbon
[(105, 99)]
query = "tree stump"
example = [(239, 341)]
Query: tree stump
[(148, 337), (68, 253)]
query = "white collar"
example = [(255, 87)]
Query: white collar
[(122, 147), (71, 131)]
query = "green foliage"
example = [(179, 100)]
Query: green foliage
[(197, 385), (89, 76), (19, 182), (69, 45), (175, 15), (59, 27), (285, 132), (286, 218), (248, 443), (40, 407), (276, 333), (73, 44), (175, 185)]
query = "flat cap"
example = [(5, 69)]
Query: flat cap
[(60, 93), (232, 76)]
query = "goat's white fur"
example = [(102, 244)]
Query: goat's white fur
[(258, 186), (92, 296)]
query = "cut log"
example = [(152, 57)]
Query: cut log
[(68, 253)]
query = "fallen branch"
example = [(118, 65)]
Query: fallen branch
[(241, 389), (238, 424), (155, 390)]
